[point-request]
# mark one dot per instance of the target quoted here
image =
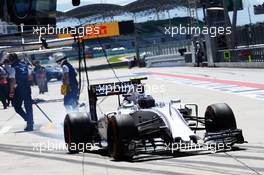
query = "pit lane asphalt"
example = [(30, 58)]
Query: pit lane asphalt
[(241, 89)]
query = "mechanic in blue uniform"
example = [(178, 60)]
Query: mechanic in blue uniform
[(20, 90), (70, 83)]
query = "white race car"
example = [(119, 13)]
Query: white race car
[(140, 123)]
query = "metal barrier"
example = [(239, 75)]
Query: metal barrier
[(251, 54), (168, 48), (250, 34)]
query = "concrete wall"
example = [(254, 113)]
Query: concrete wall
[(165, 61), (240, 64)]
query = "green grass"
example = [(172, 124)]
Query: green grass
[(120, 67), (115, 59)]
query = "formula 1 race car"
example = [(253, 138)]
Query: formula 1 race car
[(140, 123)]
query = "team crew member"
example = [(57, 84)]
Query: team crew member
[(199, 53), (70, 84), (9, 71), (40, 77), (20, 87), (3, 87)]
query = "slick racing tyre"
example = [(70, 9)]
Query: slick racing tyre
[(121, 130), (77, 131), (219, 117)]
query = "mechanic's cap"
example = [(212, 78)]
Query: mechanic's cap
[(59, 56)]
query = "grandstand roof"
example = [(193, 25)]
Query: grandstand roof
[(94, 9), (113, 9), (144, 5)]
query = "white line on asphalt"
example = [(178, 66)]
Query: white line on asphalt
[(233, 89), (5, 129)]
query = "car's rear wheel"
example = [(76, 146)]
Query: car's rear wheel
[(219, 117), (121, 130), (78, 131)]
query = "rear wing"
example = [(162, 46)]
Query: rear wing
[(109, 89)]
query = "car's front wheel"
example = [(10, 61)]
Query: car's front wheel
[(78, 131), (219, 117), (121, 130)]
